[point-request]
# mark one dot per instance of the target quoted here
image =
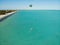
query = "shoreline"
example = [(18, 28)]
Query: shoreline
[(2, 17)]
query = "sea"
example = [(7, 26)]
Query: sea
[(31, 27)]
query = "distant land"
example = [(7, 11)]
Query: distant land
[(6, 13)]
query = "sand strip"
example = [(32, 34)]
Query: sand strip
[(6, 15)]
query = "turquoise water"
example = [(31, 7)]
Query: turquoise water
[(31, 27)]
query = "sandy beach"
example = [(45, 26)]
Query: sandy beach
[(6, 15)]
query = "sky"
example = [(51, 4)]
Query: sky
[(36, 4)]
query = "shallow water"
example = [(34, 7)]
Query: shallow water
[(31, 27)]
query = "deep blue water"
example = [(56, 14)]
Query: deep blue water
[(31, 27)]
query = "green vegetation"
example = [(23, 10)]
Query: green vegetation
[(2, 12)]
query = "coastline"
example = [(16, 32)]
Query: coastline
[(2, 17)]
